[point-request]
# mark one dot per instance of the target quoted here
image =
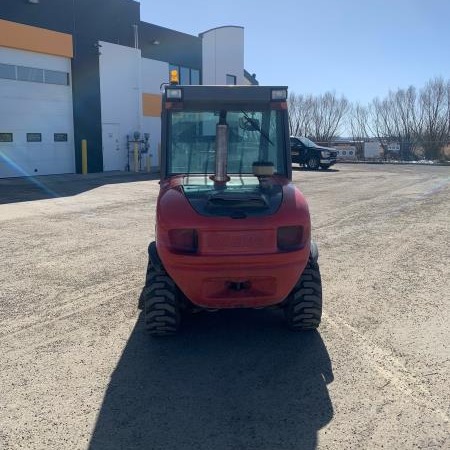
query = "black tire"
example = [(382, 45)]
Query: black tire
[(150, 269), (313, 163), (325, 166), (303, 309), (160, 303)]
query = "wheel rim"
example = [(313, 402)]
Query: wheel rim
[(313, 163)]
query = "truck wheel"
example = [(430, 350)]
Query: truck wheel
[(303, 310), (313, 163), (160, 303), (325, 166)]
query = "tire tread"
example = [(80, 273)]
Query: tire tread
[(160, 303), (303, 308)]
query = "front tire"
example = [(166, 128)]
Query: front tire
[(303, 309), (160, 301), (313, 163)]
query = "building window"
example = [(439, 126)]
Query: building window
[(350, 152), (231, 79), (195, 76), (60, 137), (30, 74), (7, 71), (33, 74), (344, 152), (6, 137), (186, 75), (34, 137), (56, 77)]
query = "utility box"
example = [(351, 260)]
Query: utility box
[(373, 150)]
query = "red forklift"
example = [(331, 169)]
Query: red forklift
[(232, 230)]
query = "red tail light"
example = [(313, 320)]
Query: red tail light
[(290, 238), (183, 240)]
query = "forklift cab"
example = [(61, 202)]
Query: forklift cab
[(224, 132)]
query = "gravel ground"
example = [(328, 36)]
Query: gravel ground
[(77, 371)]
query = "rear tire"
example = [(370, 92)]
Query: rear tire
[(160, 301), (313, 163), (303, 309)]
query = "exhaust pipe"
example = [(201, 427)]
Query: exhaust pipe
[(220, 175)]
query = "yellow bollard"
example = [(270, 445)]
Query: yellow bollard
[(136, 157), (84, 166)]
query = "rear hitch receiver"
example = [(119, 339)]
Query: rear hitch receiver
[(238, 285)]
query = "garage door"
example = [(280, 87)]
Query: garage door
[(36, 119)]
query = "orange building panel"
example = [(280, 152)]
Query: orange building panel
[(151, 105), (34, 39)]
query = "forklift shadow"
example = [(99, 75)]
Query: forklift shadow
[(229, 380), (26, 189)]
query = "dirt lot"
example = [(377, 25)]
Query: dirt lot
[(77, 371)]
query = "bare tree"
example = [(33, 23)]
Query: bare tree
[(404, 105), (394, 120), (380, 121), (300, 114), (316, 117), (295, 112), (359, 127), (434, 123), (328, 115), (404, 117)]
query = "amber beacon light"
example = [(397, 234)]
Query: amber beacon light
[(174, 79)]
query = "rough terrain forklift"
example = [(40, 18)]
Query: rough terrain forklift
[(232, 231)]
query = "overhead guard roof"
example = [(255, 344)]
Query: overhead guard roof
[(227, 94)]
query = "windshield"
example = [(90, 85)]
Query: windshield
[(253, 136), (307, 142)]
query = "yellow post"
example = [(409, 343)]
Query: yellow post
[(84, 166), (149, 163), (136, 157)]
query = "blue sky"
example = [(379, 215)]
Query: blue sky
[(360, 49)]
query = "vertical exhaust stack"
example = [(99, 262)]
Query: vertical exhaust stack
[(220, 175)]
